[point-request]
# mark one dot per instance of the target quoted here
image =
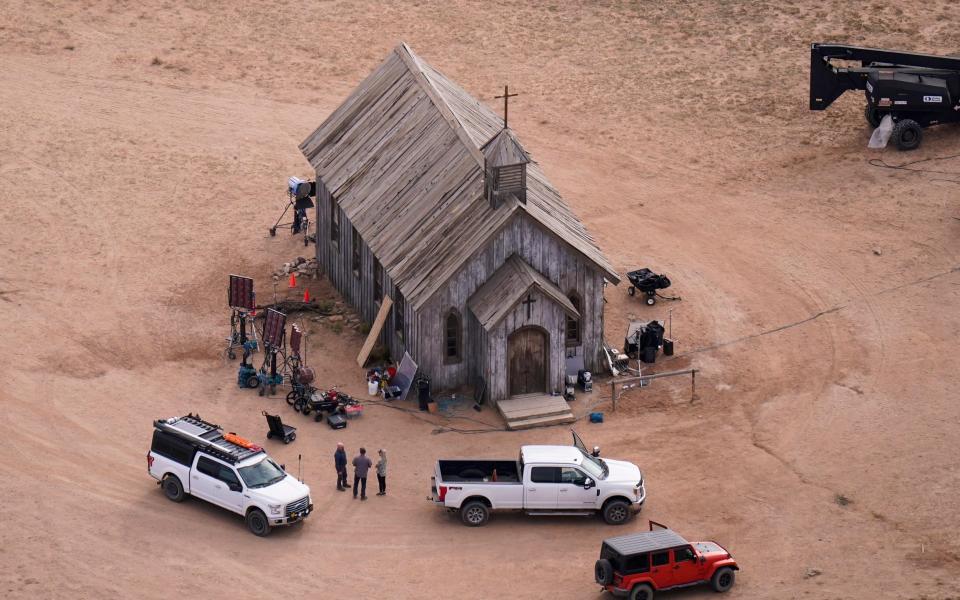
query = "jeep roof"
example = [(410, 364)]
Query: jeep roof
[(647, 541)]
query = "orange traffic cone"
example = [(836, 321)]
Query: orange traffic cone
[(293, 280), (306, 295)]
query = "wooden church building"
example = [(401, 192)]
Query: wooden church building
[(424, 195)]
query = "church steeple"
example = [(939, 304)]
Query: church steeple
[(505, 167)]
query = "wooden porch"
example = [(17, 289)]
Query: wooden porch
[(535, 410)]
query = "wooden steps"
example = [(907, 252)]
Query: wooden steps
[(535, 410)]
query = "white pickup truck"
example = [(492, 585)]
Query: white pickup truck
[(189, 456), (546, 480)]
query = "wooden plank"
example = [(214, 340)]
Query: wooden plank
[(375, 331), (549, 411), (532, 402), (539, 411), (540, 422)]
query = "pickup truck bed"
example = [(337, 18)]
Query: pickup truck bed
[(501, 471)]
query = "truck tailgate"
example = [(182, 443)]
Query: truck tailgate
[(434, 483)]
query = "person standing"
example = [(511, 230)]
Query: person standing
[(361, 465), (340, 462), (382, 472)]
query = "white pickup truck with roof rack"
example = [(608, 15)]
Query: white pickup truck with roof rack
[(190, 456), (546, 480)]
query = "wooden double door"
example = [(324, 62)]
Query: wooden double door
[(528, 354)]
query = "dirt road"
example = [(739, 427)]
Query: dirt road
[(143, 154)]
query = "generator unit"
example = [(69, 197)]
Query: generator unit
[(916, 90)]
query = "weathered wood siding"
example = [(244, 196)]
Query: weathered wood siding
[(337, 263), (568, 269), (544, 313)]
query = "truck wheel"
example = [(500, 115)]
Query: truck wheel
[(873, 116), (173, 489), (292, 398), (474, 514), (616, 512), (723, 579), (257, 523), (603, 572), (907, 134), (641, 591)]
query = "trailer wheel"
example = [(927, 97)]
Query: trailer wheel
[(253, 382), (292, 398), (907, 134), (873, 116), (173, 489), (474, 513)]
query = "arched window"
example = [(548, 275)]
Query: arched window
[(453, 337), (573, 325)]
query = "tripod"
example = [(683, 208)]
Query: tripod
[(238, 333), (300, 222)]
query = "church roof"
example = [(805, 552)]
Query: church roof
[(402, 157), (507, 286), (504, 149)]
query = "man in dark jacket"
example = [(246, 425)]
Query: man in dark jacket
[(340, 462), (361, 465)]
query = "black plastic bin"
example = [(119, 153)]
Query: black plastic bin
[(423, 392), (649, 354)]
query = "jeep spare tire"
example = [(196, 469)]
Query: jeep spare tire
[(603, 572), (723, 579)]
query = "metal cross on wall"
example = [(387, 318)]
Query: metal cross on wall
[(528, 301), (506, 96)]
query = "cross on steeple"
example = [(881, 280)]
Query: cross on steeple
[(528, 301), (506, 97)]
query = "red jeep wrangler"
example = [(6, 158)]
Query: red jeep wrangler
[(641, 563)]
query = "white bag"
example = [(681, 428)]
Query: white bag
[(881, 135)]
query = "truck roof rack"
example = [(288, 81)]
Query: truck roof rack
[(206, 436)]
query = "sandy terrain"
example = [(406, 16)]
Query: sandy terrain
[(143, 152)]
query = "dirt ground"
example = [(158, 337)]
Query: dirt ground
[(144, 149)]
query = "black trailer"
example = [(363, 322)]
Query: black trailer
[(648, 282), (916, 90)]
